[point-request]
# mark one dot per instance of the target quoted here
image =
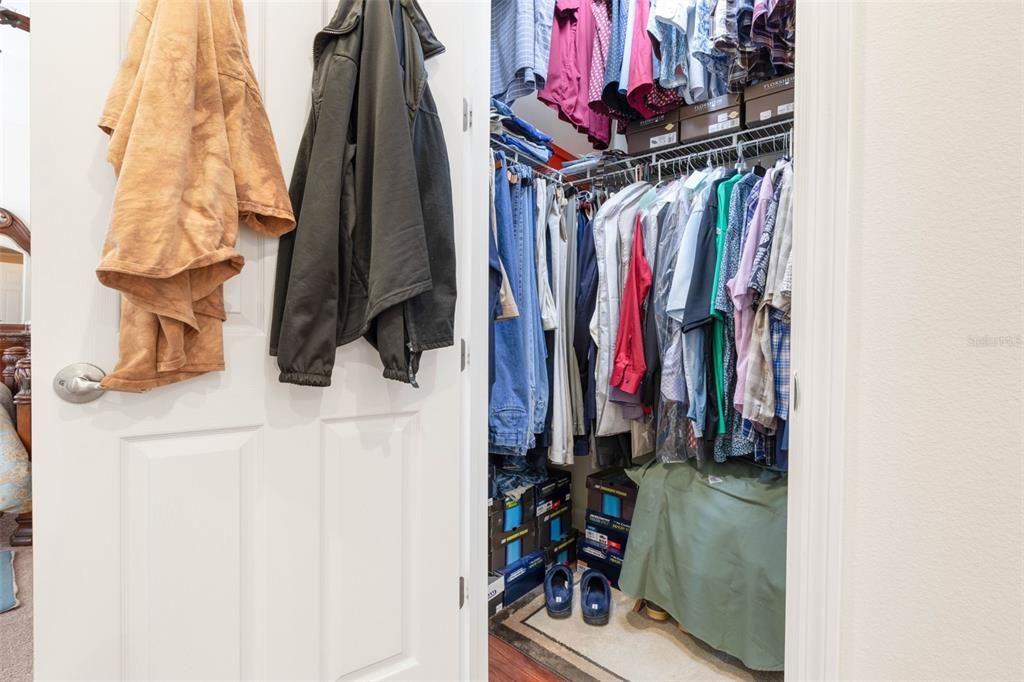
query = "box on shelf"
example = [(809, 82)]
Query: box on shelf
[(495, 594), (592, 556), (607, 532), (507, 548), (716, 116), (769, 101), (555, 524), (507, 515), (653, 133), (611, 493), (562, 551), (522, 576)]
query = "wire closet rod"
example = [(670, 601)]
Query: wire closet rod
[(541, 169)]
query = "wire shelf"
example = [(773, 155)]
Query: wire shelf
[(772, 138), (750, 143)]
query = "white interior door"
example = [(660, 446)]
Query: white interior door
[(231, 527)]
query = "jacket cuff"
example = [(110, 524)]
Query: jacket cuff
[(302, 379), (403, 375)]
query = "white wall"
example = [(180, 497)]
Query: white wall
[(566, 136), (934, 491)]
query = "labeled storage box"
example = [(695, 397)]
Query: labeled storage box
[(607, 532), (716, 116), (495, 594), (522, 576), (507, 515), (769, 101), (554, 492), (507, 548), (563, 551), (653, 133), (555, 524), (592, 556), (611, 493)]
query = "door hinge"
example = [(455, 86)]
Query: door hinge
[(462, 591), (796, 392), (464, 357), (467, 115)]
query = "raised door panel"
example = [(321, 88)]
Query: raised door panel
[(368, 525), (191, 510)]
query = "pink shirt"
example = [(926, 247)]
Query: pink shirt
[(641, 61), (742, 300)]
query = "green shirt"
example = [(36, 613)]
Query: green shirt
[(718, 330)]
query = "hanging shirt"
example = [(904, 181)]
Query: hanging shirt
[(601, 10), (630, 365), (620, 208), (731, 442), (743, 310), (520, 46), (641, 62)]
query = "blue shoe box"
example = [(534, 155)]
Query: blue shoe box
[(553, 492), (507, 548), (612, 493), (600, 559), (522, 576), (606, 532), (506, 515), (563, 551), (555, 524)]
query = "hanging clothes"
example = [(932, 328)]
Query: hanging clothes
[(191, 144), (373, 258), (520, 47)]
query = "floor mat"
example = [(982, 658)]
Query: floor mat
[(632, 647)]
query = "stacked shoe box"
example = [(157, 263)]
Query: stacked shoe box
[(555, 534), (611, 499), (511, 529), (514, 561), (528, 534)]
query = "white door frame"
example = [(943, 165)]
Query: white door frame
[(825, 149)]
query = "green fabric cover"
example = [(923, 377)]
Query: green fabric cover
[(712, 552)]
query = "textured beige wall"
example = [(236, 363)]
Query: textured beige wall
[(934, 496)]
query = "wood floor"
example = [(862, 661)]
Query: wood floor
[(508, 664)]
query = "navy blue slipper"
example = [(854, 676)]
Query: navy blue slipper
[(596, 598), (558, 591)]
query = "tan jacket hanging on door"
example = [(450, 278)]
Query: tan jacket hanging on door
[(194, 155)]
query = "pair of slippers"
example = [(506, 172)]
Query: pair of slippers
[(595, 594)]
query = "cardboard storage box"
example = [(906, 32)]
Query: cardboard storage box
[(495, 594), (611, 493), (769, 101), (716, 116), (553, 492), (607, 532), (563, 551), (506, 548), (506, 515), (522, 576), (592, 556), (554, 525), (653, 133)]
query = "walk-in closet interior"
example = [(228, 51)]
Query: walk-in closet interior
[(641, 278)]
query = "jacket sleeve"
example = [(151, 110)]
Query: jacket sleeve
[(305, 323), (390, 244)]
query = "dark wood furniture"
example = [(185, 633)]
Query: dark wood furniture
[(16, 372), (9, 17)]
